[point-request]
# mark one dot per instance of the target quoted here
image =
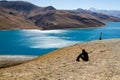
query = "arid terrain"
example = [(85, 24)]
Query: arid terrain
[(61, 64), (25, 15)]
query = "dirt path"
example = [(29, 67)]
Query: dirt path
[(61, 65)]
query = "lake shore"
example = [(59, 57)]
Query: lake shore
[(56, 29), (61, 64), (10, 60)]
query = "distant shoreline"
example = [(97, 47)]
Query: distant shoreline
[(54, 29)]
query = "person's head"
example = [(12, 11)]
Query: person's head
[(83, 50)]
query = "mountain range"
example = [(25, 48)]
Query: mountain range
[(25, 15), (115, 13)]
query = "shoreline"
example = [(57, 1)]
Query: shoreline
[(54, 29), (13, 60), (59, 29), (16, 57)]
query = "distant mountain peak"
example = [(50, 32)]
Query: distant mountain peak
[(115, 13), (92, 9), (80, 9), (49, 8)]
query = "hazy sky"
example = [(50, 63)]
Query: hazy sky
[(74, 4)]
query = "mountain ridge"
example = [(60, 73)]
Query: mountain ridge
[(25, 15), (99, 16), (115, 13)]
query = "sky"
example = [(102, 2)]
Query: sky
[(74, 4)]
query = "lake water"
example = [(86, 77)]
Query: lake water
[(37, 42)]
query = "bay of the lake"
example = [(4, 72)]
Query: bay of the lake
[(38, 42)]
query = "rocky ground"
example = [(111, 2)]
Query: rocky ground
[(61, 65)]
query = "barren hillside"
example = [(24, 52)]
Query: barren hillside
[(61, 65), (25, 15)]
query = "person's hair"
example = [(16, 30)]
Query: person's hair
[(83, 50)]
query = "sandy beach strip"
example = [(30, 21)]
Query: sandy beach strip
[(12, 60)]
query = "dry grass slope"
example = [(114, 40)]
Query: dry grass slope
[(10, 21), (61, 65)]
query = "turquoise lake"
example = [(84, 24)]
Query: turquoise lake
[(37, 42)]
